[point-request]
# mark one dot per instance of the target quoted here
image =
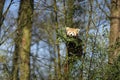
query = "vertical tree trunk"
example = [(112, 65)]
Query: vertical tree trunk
[(1, 11), (25, 23), (70, 49), (65, 15), (65, 23), (114, 31), (70, 13), (58, 48), (15, 58)]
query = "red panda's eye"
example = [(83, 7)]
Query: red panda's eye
[(70, 33), (74, 34)]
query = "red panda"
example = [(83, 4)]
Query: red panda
[(72, 31), (74, 46)]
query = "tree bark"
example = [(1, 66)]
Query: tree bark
[(114, 31), (25, 24), (1, 12), (65, 15), (70, 13), (15, 59), (58, 48)]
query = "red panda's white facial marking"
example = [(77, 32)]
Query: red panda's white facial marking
[(72, 31)]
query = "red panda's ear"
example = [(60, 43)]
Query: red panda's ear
[(78, 30), (67, 28)]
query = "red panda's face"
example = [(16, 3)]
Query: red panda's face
[(72, 31)]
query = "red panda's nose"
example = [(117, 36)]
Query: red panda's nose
[(71, 34)]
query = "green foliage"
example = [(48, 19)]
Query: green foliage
[(93, 65), (113, 70), (2, 59)]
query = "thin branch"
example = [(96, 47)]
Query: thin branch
[(102, 9)]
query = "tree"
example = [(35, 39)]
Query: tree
[(58, 48), (23, 41), (114, 31), (25, 22), (70, 13), (114, 49), (1, 15), (1, 11), (74, 47), (15, 58)]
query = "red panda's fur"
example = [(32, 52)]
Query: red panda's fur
[(72, 31)]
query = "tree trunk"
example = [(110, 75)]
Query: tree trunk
[(68, 22), (15, 58), (65, 15), (1, 11), (70, 13), (58, 48), (70, 48), (114, 31), (25, 23)]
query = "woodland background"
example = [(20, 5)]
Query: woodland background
[(32, 45)]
